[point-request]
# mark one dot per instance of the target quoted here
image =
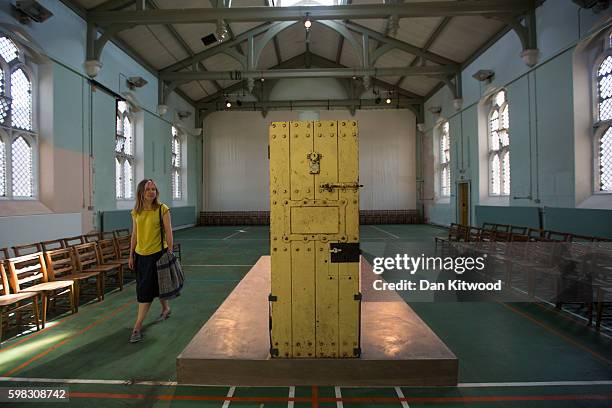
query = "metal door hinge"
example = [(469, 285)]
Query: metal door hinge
[(357, 351), (272, 298), (357, 296), (273, 351)]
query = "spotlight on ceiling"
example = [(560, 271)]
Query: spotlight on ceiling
[(388, 100), (31, 10), (136, 82), (228, 104), (262, 79), (222, 32)]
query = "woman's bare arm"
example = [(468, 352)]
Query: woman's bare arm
[(168, 230)]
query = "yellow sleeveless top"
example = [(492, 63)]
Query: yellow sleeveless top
[(148, 239)]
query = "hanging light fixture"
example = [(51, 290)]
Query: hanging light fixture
[(307, 22)]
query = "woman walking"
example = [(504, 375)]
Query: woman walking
[(146, 248)]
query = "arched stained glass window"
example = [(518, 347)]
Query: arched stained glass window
[(177, 189), (2, 168), (124, 152), (18, 147), (445, 173), (499, 145), (603, 118)]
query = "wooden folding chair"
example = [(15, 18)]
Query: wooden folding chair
[(15, 302), (73, 241), (122, 232), (61, 265), (29, 274), (27, 249), (52, 245), (87, 260), (4, 254), (107, 256), (92, 237)]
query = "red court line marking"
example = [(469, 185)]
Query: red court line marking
[(315, 396), (55, 346), (499, 398), (563, 336)]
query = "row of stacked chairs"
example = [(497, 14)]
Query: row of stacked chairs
[(568, 261), (61, 269)]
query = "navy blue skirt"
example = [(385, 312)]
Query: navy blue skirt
[(147, 286)]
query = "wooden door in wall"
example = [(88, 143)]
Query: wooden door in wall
[(463, 196)]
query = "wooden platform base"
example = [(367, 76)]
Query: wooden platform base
[(232, 348)]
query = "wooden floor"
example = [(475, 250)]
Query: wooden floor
[(510, 355), (398, 348)]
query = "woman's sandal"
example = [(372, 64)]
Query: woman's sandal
[(136, 336), (163, 316)]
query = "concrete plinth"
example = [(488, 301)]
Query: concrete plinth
[(232, 348)]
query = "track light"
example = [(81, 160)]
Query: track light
[(388, 100), (222, 32), (228, 104)]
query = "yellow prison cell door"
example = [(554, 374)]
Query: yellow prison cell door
[(314, 239)]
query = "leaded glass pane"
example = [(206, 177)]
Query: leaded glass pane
[(22, 168), (605, 161), (605, 110), (505, 118), (127, 133), (494, 146), (119, 143), (176, 152), (500, 98), (121, 106), (176, 184), (4, 100), (606, 66), (495, 175), (605, 87), (129, 179), (506, 173), (503, 138), (118, 178), (119, 128), (2, 168), (445, 182), (8, 49), (21, 103), (494, 122)]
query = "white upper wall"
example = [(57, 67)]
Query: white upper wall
[(236, 174)]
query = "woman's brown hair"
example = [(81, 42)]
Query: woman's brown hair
[(140, 200)]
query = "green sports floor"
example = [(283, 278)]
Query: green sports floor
[(510, 355)]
